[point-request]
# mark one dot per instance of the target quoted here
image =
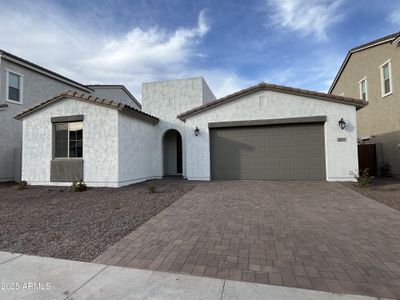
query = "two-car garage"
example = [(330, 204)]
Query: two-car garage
[(283, 152), (272, 132)]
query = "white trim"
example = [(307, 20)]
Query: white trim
[(348, 57), (341, 95), (366, 88), (389, 63), (21, 87), (396, 41)]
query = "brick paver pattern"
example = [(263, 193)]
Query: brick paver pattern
[(313, 235)]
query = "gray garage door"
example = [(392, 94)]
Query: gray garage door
[(268, 152)]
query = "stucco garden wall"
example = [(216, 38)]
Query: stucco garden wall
[(341, 157), (100, 143), (139, 156)]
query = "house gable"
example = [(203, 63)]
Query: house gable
[(358, 103)]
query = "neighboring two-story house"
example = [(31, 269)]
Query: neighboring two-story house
[(372, 72), (24, 84)]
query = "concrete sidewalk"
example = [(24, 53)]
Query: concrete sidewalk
[(33, 277)]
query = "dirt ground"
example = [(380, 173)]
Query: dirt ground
[(382, 189), (56, 222)]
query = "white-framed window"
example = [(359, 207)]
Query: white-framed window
[(386, 79), (68, 140), (14, 89), (363, 89)]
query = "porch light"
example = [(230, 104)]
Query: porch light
[(196, 131), (342, 124)]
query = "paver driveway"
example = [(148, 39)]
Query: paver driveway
[(314, 235)]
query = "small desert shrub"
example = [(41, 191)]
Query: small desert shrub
[(78, 186), (385, 169), (363, 178), (152, 188), (22, 185)]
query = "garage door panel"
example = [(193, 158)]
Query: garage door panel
[(285, 164), (286, 174), (285, 151), (271, 151), (285, 139), (314, 139), (317, 173), (316, 150), (258, 153), (300, 164), (300, 151), (256, 141), (268, 152), (314, 163)]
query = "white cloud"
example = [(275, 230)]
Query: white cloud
[(308, 17), (395, 17), (225, 82), (44, 34)]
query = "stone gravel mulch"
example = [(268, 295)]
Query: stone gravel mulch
[(56, 222), (385, 190)]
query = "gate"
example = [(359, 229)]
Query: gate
[(367, 158)]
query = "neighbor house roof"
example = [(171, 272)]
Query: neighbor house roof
[(90, 99), (18, 60), (391, 38), (358, 103), (115, 86)]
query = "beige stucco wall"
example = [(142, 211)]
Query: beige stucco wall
[(381, 117)]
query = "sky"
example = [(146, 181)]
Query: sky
[(233, 44)]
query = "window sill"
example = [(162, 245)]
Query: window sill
[(14, 102), (388, 94), (67, 158)]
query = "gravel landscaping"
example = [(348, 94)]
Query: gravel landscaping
[(56, 222), (382, 189)]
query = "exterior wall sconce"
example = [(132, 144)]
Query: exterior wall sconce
[(197, 131), (342, 124)]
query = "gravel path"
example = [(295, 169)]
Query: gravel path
[(53, 221), (384, 190)]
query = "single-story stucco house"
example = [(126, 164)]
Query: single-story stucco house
[(262, 132)]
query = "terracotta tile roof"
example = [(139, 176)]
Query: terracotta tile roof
[(386, 39), (358, 103), (89, 99)]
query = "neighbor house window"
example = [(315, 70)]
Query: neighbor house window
[(68, 140), (386, 79), (14, 87), (363, 89)]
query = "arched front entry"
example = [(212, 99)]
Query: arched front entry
[(172, 153)]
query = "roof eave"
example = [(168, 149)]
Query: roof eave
[(261, 87), (44, 71), (358, 49), (93, 100)]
